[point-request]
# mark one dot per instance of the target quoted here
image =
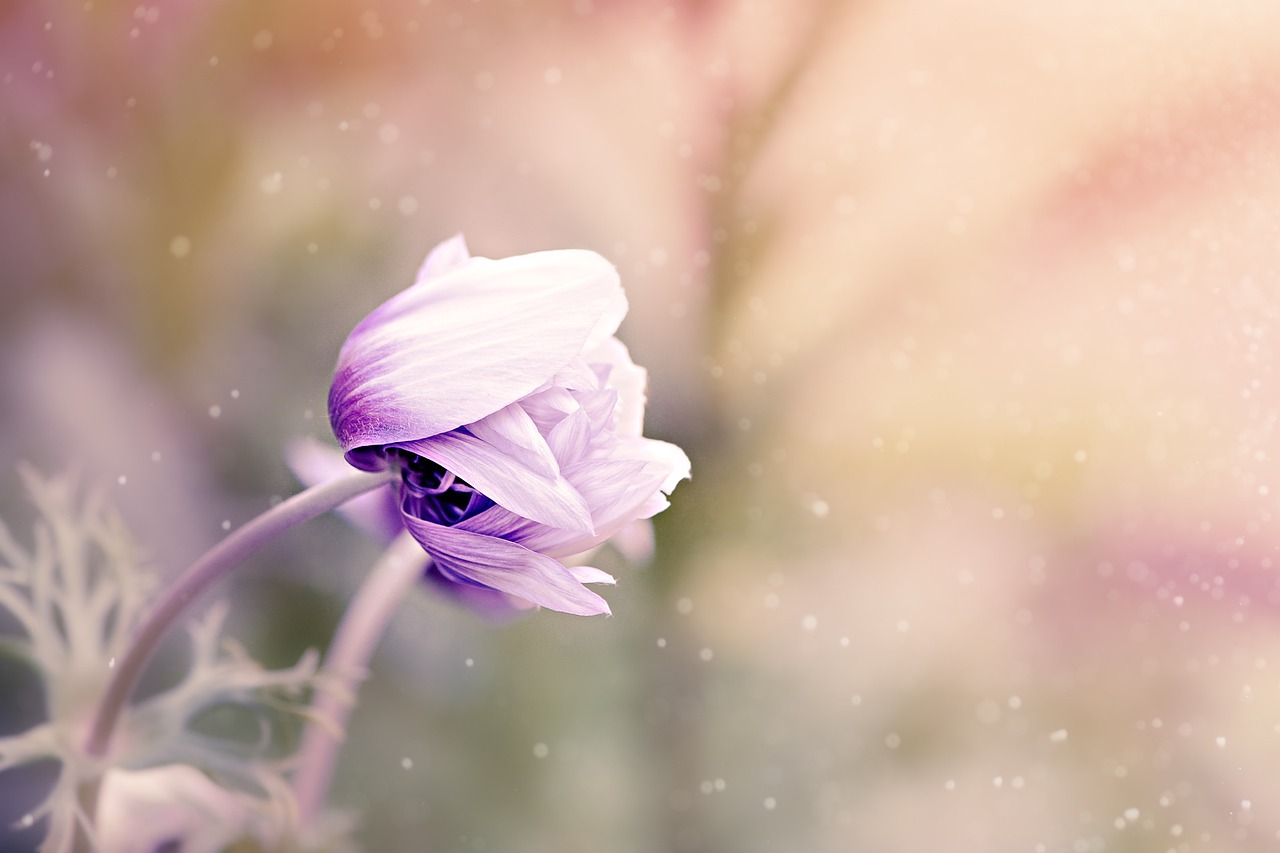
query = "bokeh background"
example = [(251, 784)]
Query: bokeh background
[(964, 312)]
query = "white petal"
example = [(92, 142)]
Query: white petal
[(461, 345)]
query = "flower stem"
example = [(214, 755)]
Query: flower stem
[(362, 626), (217, 562)]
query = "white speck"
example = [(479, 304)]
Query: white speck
[(662, 642), (43, 150), (684, 606), (470, 662), (263, 40), (272, 183), (658, 257), (235, 393), (180, 246), (226, 524), (1220, 741), (844, 642), (1018, 783), (155, 456), (949, 785), (407, 205), (856, 699), (1131, 814), (706, 654), (719, 784), (998, 781), (312, 248), (1080, 456), (770, 803), (809, 622), (1245, 805), (903, 626), (28, 820), (997, 513), (820, 508), (541, 750), (111, 664), (215, 411), (122, 479), (1058, 737), (406, 763), (375, 204), (552, 76), (213, 61), (389, 133)]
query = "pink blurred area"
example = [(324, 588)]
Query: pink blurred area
[(964, 312)]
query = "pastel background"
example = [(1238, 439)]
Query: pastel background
[(964, 313)]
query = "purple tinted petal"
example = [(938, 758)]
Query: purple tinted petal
[(505, 481), (618, 491), (376, 513), (511, 432), (444, 257), (497, 564), (590, 574), (461, 345), (628, 379), (489, 603)]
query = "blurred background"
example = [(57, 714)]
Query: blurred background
[(964, 313)]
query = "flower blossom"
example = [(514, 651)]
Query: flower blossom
[(498, 391)]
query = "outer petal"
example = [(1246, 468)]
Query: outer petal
[(462, 344), (487, 561), (489, 603), (506, 481), (629, 379), (449, 254), (376, 513)]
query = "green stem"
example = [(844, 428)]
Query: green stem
[(216, 563)]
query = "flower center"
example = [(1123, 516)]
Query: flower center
[(433, 494)]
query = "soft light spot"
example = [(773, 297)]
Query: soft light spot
[(180, 246), (770, 803), (122, 479), (552, 76), (706, 654), (684, 606), (406, 763), (263, 39), (215, 411), (809, 622), (1058, 736), (541, 750), (407, 205), (272, 183)]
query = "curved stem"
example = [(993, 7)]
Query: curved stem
[(362, 626), (217, 562)]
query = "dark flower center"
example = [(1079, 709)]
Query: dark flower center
[(433, 494)]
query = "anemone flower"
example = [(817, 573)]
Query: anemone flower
[(497, 389)]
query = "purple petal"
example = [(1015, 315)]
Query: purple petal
[(462, 344), (494, 563), (504, 480), (489, 603), (629, 379), (444, 257), (376, 513)]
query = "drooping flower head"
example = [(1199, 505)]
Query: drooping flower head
[(497, 389)]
